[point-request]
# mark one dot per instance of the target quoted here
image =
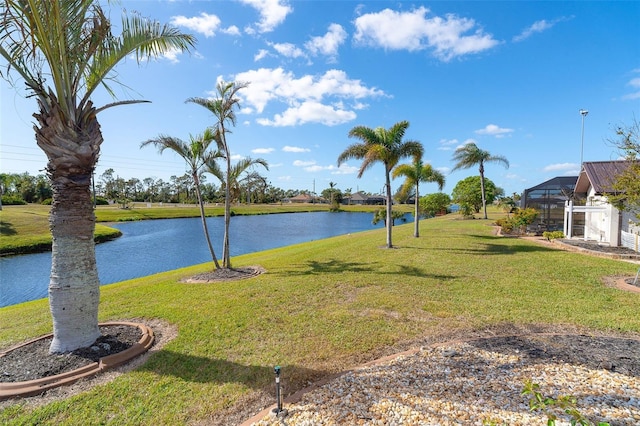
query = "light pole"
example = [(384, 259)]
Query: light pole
[(583, 113)]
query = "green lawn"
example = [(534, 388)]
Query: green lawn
[(322, 307)]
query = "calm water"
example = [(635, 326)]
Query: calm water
[(152, 246)]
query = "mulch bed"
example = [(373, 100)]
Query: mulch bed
[(33, 361)]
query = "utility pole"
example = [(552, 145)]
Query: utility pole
[(583, 113)]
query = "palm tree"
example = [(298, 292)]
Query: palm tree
[(197, 154), (415, 173), (231, 181), (222, 108), (64, 50), (385, 146), (470, 155)]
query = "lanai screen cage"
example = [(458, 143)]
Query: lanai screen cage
[(549, 199)]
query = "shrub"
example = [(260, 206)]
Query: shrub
[(12, 200), (505, 224), (552, 235)]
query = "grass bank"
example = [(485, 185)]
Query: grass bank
[(322, 307), (25, 229)]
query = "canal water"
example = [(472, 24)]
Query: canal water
[(151, 246)]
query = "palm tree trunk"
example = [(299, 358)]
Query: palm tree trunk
[(389, 216), (484, 199), (204, 221), (226, 257), (416, 228), (74, 287)]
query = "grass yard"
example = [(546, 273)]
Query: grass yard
[(323, 307)]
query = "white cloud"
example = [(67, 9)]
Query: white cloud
[(204, 24), (494, 130), (560, 166), (414, 31), (345, 169), (328, 44), (308, 99), (232, 30), (262, 53), (300, 163), (172, 55), (310, 112), (288, 148), (538, 27), (635, 84), (262, 150), (316, 168), (447, 144), (272, 13), (288, 50)]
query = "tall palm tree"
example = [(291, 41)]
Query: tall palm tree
[(197, 154), (231, 181), (64, 50), (470, 155), (385, 146), (415, 173), (222, 107)]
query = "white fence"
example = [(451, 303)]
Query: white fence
[(630, 240)]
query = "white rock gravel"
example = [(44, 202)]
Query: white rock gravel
[(462, 385)]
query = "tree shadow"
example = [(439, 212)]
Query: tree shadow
[(594, 352), (496, 249), (334, 266), (213, 370), (7, 228)]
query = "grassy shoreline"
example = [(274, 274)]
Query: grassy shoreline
[(25, 229), (323, 307)]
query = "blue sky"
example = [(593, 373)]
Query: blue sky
[(508, 76)]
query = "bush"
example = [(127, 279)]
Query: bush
[(505, 224), (13, 200), (552, 235), (47, 202)]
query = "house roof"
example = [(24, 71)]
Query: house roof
[(558, 182), (600, 175), (359, 196), (301, 197)]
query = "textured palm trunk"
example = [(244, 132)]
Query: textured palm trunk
[(416, 224), (484, 200), (203, 217), (74, 287), (226, 262), (389, 221)]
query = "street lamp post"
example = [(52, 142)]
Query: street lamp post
[(583, 113)]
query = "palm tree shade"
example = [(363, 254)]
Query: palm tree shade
[(222, 107), (415, 173), (470, 155), (196, 153), (384, 146), (63, 51)]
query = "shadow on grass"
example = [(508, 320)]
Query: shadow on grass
[(339, 267), (495, 249), (7, 228), (219, 371)]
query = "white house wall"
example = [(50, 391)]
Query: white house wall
[(601, 225)]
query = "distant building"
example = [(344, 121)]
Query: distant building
[(549, 199), (360, 198)]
